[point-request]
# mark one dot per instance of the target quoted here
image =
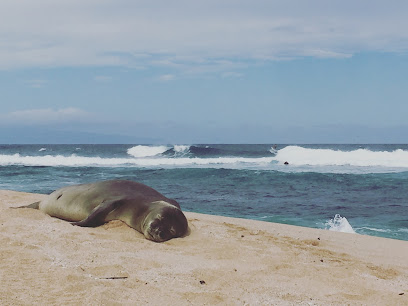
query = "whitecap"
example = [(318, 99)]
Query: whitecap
[(273, 149), (299, 156), (146, 151), (181, 150), (154, 161)]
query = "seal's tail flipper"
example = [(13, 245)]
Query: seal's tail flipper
[(35, 205)]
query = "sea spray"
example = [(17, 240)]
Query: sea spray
[(181, 150), (339, 224)]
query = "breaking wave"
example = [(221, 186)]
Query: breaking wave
[(177, 151), (299, 156), (217, 156), (146, 151), (150, 151), (83, 161)]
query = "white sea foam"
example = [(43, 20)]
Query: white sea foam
[(181, 150), (58, 160), (42, 149), (273, 150), (339, 224), (376, 229), (82, 161), (299, 156), (300, 159), (146, 151)]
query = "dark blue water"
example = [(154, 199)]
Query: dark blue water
[(366, 184)]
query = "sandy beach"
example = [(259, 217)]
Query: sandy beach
[(224, 261)]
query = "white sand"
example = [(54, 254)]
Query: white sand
[(223, 261)]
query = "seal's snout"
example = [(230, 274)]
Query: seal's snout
[(159, 233), (171, 224), (164, 236)]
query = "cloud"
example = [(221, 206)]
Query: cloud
[(45, 116), (231, 74), (167, 77), (36, 83), (148, 33)]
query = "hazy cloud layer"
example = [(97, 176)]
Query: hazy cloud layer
[(36, 83), (45, 116), (166, 77), (185, 34)]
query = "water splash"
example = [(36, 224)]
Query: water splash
[(339, 224)]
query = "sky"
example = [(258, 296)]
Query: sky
[(187, 71)]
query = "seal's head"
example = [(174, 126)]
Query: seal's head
[(165, 223)]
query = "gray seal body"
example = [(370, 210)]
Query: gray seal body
[(141, 207)]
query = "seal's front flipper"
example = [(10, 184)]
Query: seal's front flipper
[(35, 205), (98, 214)]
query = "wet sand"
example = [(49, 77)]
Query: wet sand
[(223, 261)]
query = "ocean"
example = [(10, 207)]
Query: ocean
[(359, 189)]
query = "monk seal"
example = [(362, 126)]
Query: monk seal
[(139, 206)]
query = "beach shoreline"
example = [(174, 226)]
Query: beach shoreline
[(222, 261)]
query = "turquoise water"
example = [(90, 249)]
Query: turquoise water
[(367, 185)]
